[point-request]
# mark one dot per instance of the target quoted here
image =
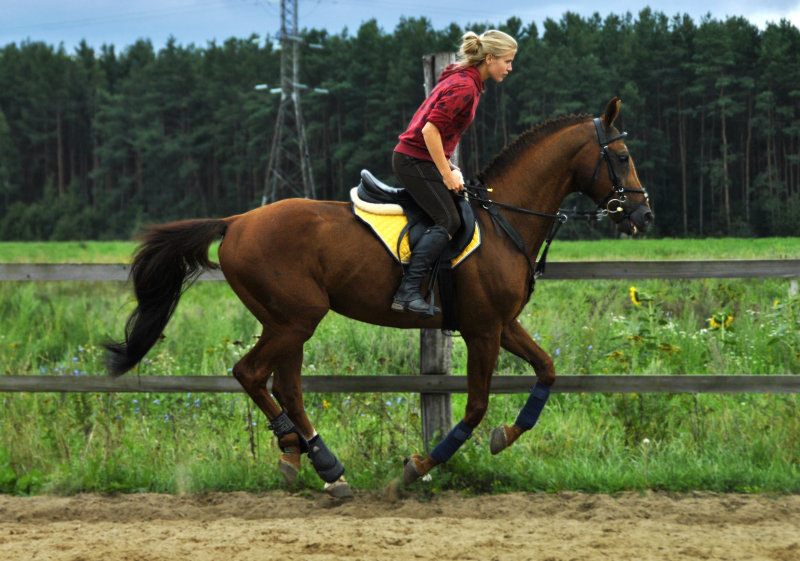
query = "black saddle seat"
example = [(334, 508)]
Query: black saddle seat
[(372, 190)]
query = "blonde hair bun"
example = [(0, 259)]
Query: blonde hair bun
[(474, 47)]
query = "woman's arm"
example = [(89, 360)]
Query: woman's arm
[(433, 141)]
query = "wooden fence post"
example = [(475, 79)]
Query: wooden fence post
[(435, 358), (435, 349)]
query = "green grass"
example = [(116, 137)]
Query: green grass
[(600, 443), (671, 248), (66, 252)]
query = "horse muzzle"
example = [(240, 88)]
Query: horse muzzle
[(639, 220)]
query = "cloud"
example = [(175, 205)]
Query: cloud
[(761, 17)]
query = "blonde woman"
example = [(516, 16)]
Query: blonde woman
[(421, 159)]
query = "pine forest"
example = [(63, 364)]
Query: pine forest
[(98, 142)]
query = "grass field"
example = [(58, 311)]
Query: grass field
[(173, 442)]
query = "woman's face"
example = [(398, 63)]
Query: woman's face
[(498, 67)]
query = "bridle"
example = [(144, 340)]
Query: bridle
[(614, 199), (612, 204)]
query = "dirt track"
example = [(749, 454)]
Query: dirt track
[(374, 526)]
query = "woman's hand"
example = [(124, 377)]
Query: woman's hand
[(454, 181)]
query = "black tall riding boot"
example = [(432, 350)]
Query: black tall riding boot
[(430, 246)]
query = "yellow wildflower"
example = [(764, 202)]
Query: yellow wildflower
[(668, 348), (617, 355), (326, 403), (634, 296), (719, 321)]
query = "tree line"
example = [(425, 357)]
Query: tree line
[(96, 143)]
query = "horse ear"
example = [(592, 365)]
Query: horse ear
[(612, 110)]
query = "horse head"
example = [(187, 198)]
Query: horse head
[(614, 184)]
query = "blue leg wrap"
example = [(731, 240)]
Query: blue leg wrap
[(452, 442), (533, 407), (327, 465)]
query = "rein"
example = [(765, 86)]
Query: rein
[(478, 192)]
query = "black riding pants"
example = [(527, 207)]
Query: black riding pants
[(424, 183)]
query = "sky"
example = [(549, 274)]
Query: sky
[(198, 22)]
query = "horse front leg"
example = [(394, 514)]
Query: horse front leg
[(481, 359), (517, 341)]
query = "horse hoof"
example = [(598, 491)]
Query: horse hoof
[(411, 470), (339, 489), (288, 470), (499, 440)]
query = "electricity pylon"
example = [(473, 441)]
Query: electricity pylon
[(289, 166)]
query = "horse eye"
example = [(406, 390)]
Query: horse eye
[(623, 158)]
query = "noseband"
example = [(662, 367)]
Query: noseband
[(612, 204)]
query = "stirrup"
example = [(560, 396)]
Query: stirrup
[(416, 306)]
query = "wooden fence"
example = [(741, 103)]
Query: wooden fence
[(435, 387), (411, 384), (572, 270)]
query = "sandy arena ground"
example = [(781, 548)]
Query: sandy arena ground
[(381, 526)]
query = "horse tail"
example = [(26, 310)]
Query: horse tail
[(170, 256)]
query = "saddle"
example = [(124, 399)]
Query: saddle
[(399, 223), (375, 197)]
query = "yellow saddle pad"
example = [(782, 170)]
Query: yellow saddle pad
[(387, 223)]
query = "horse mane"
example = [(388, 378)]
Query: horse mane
[(527, 139)]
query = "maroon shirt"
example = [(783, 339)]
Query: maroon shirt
[(450, 106)]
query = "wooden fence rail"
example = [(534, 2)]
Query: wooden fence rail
[(565, 270), (722, 384)]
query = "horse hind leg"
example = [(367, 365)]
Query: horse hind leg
[(290, 398), (288, 390), (253, 372), (283, 355)]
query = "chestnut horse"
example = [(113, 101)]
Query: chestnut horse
[(292, 261)]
